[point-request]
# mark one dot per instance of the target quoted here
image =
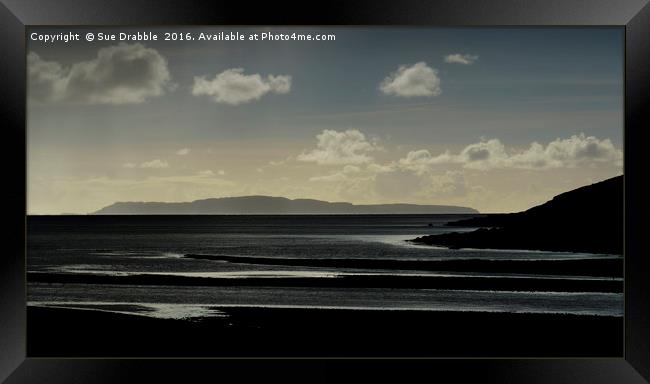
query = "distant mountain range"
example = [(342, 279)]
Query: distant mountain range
[(586, 219), (267, 205)]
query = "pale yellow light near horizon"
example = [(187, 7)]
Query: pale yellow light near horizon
[(94, 179)]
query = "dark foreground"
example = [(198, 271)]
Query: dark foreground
[(250, 332)]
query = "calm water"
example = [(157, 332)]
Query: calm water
[(156, 245)]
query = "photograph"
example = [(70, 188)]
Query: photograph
[(447, 190), (325, 191)]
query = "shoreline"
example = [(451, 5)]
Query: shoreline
[(609, 267), (585, 219), (508, 238), (376, 281)]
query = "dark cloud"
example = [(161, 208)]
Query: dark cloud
[(120, 74)]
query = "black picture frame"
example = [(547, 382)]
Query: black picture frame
[(633, 15)]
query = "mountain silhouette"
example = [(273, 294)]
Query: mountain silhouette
[(586, 219), (270, 206)]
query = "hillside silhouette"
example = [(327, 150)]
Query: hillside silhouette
[(271, 206), (586, 219)]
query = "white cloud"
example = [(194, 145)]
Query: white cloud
[(233, 87), (210, 173), (458, 58), (129, 165), (183, 151), (120, 74), (157, 163), (205, 173), (379, 168), (490, 154), (482, 155), (418, 161), (345, 174), (339, 176), (571, 152), (416, 80), (351, 169), (338, 148)]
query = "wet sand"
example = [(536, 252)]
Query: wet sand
[(583, 267), (269, 332), (354, 281)]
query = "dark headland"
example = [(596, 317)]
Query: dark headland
[(587, 219), (267, 205)]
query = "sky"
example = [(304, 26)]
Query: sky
[(497, 119)]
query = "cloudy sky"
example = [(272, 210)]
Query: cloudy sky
[(494, 119)]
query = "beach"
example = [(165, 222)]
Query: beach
[(268, 332), (308, 285)]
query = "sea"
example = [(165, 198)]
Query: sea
[(193, 267)]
